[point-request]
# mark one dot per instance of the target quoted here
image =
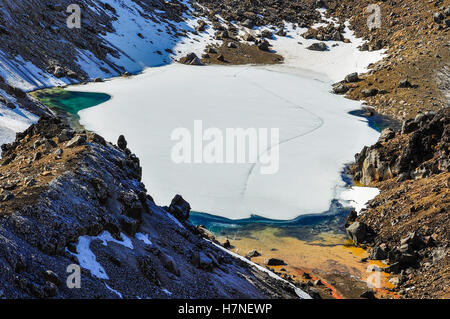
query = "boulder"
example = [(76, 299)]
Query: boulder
[(318, 282), (264, 45), (378, 253), (65, 135), (447, 11), (201, 26), (351, 218), (393, 268), (227, 244), (76, 141), (357, 232), (248, 23), (6, 196), (369, 92), (248, 37), (405, 84), (438, 17), (318, 46), (129, 225), (281, 32), (221, 58), (340, 88), (180, 208), (169, 263), (202, 261), (275, 262), (352, 77), (267, 34), (252, 253), (439, 254), (59, 72), (221, 35), (386, 135), (191, 59), (122, 142), (413, 240)]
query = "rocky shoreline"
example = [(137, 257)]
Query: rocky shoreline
[(408, 223)]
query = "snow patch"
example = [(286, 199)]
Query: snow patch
[(13, 121), (340, 60), (87, 258), (114, 291), (144, 238), (358, 197)]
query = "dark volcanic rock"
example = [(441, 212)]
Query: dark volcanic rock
[(180, 208), (275, 262), (191, 59), (357, 232), (318, 46), (122, 142), (425, 153), (340, 88), (369, 92)]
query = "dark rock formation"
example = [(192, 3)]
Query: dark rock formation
[(425, 151)]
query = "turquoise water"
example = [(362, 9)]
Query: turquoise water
[(304, 227), (69, 101)]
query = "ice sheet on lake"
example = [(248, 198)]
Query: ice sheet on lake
[(318, 133)]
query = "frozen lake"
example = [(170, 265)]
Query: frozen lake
[(317, 135)]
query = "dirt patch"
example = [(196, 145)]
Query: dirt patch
[(240, 53), (30, 164), (342, 270)]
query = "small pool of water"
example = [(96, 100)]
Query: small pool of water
[(70, 103)]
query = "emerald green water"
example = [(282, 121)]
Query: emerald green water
[(69, 101)]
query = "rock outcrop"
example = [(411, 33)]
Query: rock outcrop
[(409, 220), (421, 149)]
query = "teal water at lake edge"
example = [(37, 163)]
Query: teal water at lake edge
[(69, 101), (305, 227)]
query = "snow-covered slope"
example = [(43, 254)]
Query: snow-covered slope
[(141, 36), (13, 119)]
